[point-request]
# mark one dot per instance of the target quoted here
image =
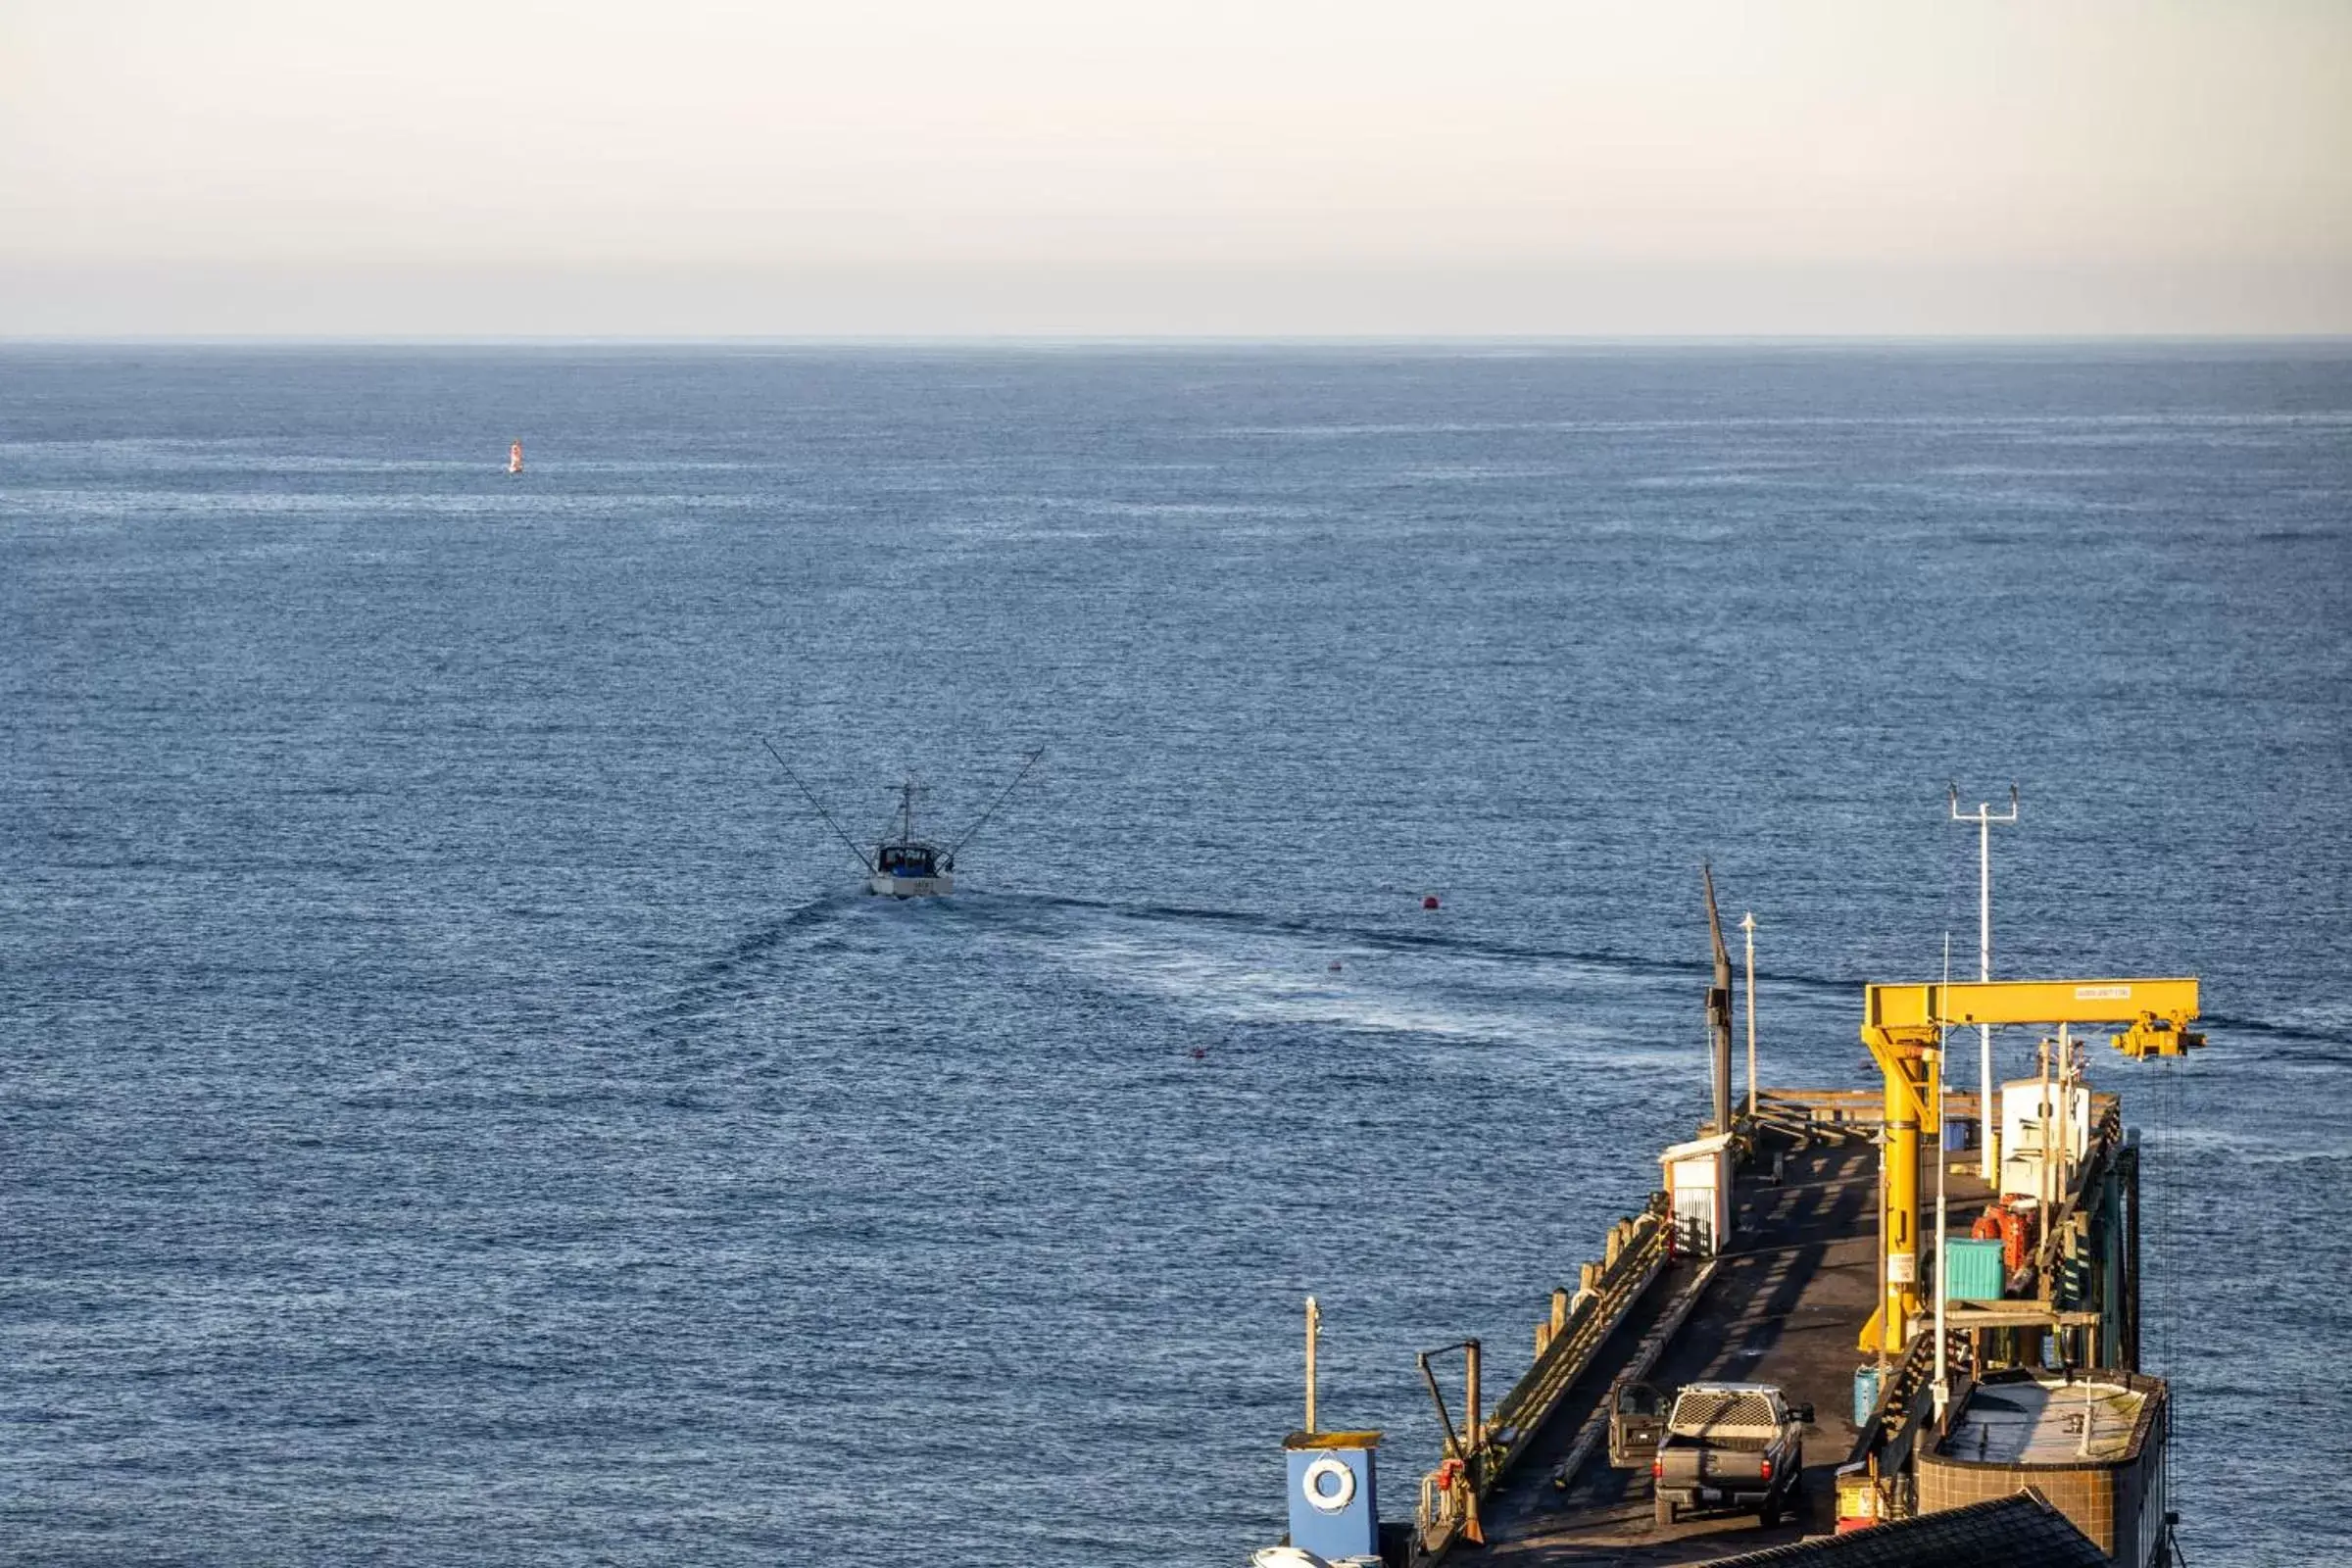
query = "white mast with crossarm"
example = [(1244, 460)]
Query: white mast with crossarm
[(1988, 1126)]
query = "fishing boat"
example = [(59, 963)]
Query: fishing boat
[(903, 863), (907, 867)]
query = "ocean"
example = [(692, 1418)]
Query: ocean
[(456, 1106)]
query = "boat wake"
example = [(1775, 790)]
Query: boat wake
[(741, 971), (1412, 942), (1194, 973)]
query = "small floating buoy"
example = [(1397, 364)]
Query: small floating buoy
[(1199, 1053), (515, 458), (1429, 900)]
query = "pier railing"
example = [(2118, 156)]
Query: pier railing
[(1636, 1249), (1875, 1482)]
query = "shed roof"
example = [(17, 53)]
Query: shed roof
[(2018, 1531), (2043, 1421)]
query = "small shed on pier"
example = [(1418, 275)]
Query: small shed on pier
[(1699, 1179)]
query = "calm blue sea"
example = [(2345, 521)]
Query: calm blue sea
[(455, 1108)]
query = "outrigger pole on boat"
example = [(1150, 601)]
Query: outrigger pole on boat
[(809, 795), (967, 836)]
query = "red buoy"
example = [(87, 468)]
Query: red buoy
[(1430, 902)]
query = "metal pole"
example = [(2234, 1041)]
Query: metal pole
[(2131, 1229), (1314, 1327), (2066, 1109), (1470, 1358), (1942, 1290), (1473, 1467), (1747, 925), (1453, 1443), (1886, 1332), (1943, 1286), (1988, 1132), (1989, 1125), (2061, 1181), (2041, 1180)]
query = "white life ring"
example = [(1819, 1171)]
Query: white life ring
[(1328, 1501)]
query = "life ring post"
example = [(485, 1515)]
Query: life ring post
[(1314, 1330)]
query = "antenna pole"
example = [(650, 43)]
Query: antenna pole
[(1988, 1126), (1747, 925), (1944, 1387), (809, 795)]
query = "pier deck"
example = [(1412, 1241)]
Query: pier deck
[(1785, 1305)]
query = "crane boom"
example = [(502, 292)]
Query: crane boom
[(2158, 1012)]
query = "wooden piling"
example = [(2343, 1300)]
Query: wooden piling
[(1470, 1397)]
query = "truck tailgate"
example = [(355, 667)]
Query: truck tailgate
[(1679, 1466)]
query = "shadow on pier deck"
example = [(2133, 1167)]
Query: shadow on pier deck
[(1785, 1305)]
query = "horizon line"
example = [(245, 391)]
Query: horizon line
[(1148, 339)]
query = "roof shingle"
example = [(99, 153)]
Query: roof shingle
[(2018, 1531)]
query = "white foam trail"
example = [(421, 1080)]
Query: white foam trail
[(1284, 982)]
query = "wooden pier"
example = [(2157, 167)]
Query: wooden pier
[(1779, 1303), (1795, 1243)]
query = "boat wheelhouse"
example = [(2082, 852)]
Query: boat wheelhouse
[(908, 867)]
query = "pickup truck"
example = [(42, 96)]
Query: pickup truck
[(1732, 1445)]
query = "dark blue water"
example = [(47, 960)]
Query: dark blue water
[(456, 1110)]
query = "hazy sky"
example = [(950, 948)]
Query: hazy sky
[(702, 167)]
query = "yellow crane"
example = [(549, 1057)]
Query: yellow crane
[(1904, 1026)]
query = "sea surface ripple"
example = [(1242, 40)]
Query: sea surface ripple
[(457, 1109)]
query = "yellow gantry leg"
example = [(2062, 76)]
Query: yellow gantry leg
[(1910, 1070)]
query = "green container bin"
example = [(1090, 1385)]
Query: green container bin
[(1866, 1394), (1972, 1269)]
